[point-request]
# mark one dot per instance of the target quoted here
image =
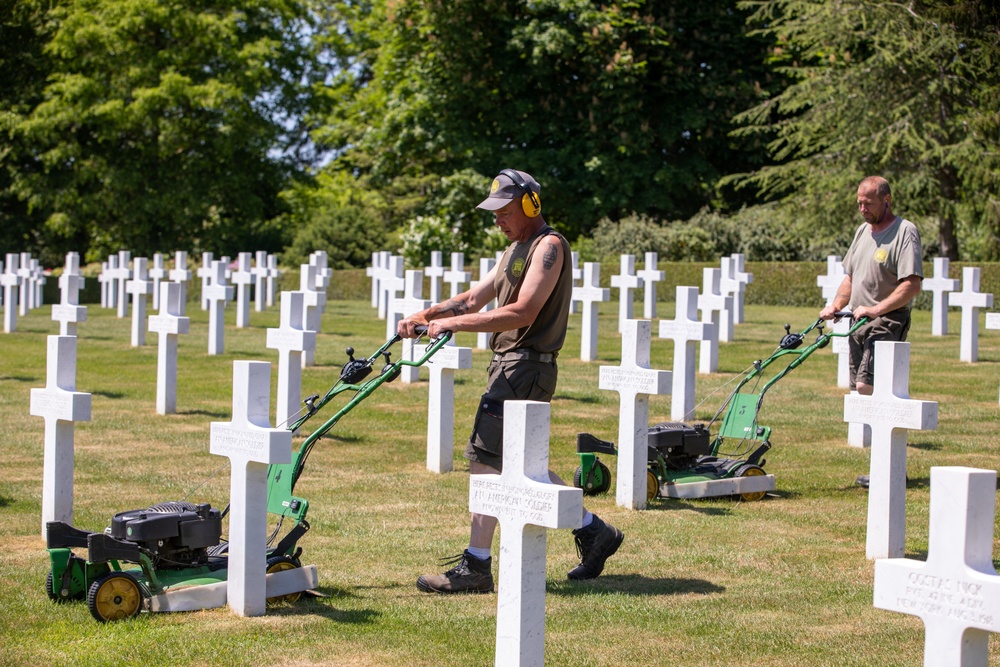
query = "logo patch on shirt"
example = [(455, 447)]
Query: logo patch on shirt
[(880, 255), (517, 268)]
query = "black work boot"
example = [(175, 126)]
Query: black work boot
[(595, 544), (470, 575)]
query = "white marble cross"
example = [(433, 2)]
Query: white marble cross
[(441, 404), (993, 321), (273, 273), (61, 405), (970, 300), (590, 293), (576, 273), (374, 272), (26, 301), (104, 279), (11, 282), (122, 275), (635, 382), (259, 272), (650, 276), (841, 347), (457, 276), (526, 503), (242, 279), (830, 282), (251, 445), (112, 278), (218, 294), (685, 330), (180, 274), (323, 276), (38, 276), (68, 312), (170, 323), (139, 287), (312, 301), (435, 273), (940, 285), (734, 281), (890, 412), (157, 273), (391, 283), (205, 273), (716, 309), (956, 592), (486, 265), (380, 272), (290, 339), (625, 281), (411, 302)]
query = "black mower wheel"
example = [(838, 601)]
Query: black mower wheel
[(751, 470), (114, 597), (601, 480), (280, 564), (652, 486), (50, 589)]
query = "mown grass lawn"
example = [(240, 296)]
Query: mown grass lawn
[(780, 582)]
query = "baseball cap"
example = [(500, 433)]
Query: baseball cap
[(503, 191)]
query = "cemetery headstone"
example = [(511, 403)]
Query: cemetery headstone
[(626, 281), (410, 303), (993, 320), (970, 300), (157, 273), (26, 299), (685, 330), (61, 405), (113, 281), (716, 309), (323, 275), (940, 285), (650, 276), (260, 281), (273, 273), (486, 265), (68, 312), (734, 281), (830, 282), (457, 276), (139, 287), (890, 412), (11, 282), (290, 339), (218, 294), (374, 272), (441, 404), (435, 274), (635, 382), (576, 274), (104, 281), (123, 275), (956, 592), (311, 300), (251, 445), (391, 283), (181, 275), (526, 503), (169, 324), (242, 279), (205, 273), (589, 294)]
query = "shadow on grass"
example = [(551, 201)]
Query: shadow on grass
[(634, 584), (673, 504), (925, 446), (918, 482), (325, 605), (20, 378), (4, 501), (220, 414), (578, 399), (109, 394)]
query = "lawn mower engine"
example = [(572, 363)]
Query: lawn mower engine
[(679, 445), (175, 534)]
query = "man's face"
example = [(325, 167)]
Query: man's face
[(511, 221), (871, 206)]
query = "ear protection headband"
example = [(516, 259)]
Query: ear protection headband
[(531, 204)]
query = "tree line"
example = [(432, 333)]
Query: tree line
[(352, 126)]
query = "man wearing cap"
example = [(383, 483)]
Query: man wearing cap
[(532, 283)]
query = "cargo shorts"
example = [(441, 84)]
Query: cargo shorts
[(518, 380), (891, 327)]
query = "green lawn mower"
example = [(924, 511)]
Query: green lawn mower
[(685, 461), (171, 556)]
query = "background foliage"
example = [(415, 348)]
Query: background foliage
[(730, 125)]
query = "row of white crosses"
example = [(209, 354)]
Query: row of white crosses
[(22, 280)]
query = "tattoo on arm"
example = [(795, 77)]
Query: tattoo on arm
[(549, 258), (454, 307)]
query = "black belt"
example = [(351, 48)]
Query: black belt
[(523, 353)]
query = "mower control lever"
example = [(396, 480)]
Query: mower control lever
[(355, 370), (790, 341)]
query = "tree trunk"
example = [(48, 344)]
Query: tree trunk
[(947, 240)]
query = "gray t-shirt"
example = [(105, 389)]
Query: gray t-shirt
[(877, 262)]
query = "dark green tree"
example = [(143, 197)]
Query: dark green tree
[(910, 91), (166, 124), (614, 107)]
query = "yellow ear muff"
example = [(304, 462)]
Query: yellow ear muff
[(531, 204)]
